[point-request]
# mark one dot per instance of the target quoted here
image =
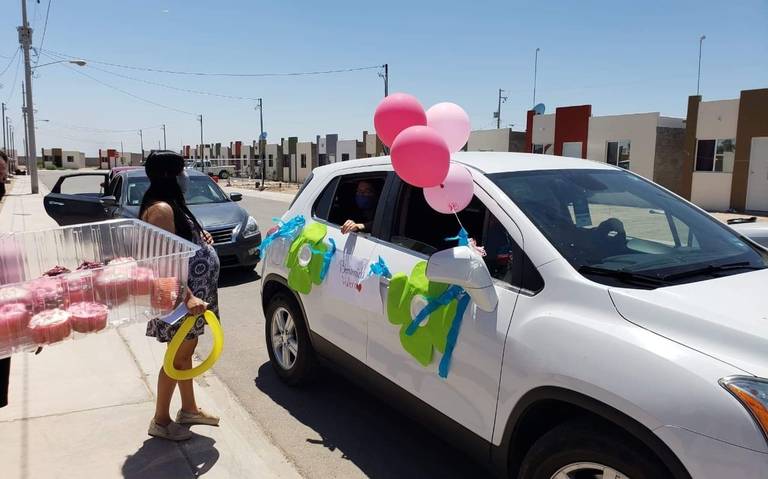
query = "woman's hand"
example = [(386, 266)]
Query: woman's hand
[(207, 237), (350, 226), (195, 305)]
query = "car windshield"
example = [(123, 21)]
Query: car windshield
[(607, 221), (202, 190)]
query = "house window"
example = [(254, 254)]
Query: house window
[(345, 157), (617, 153), (538, 148), (303, 160), (70, 159), (715, 155)]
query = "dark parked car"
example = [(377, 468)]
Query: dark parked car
[(90, 197)]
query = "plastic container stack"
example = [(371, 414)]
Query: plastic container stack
[(67, 282)]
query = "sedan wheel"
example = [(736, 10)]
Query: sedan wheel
[(588, 470), (284, 343)]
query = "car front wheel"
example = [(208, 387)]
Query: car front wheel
[(585, 450), (288, 344), (224, 174)]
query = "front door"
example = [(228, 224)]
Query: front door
[(469, 393), (77, 199), (757, 187)]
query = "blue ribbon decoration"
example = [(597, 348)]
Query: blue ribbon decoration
[(327, 256), (433, 305), (462, 237), (453, 335), (287, 229), (379, 268)]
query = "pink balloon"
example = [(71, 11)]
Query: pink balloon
[(420, 156), (395, 113), (452, 122), (454, 193)]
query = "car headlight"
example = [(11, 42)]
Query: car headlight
[(251, 228), (752, 393)]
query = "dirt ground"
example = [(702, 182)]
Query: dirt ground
[(249, 184)]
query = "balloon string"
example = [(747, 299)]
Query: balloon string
[(457, 219)]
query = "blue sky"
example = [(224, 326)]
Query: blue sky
[(620, 56)]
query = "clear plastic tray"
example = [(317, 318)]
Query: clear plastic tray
[(143, 275)]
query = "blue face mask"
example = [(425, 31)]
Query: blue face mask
[(183, 181), (364, 202)]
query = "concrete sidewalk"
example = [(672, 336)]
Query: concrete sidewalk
[(251, 193), (81, 408)]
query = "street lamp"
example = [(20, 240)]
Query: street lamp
[(698, 78), (80, 63)]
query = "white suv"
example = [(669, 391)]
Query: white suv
[(629, 338)]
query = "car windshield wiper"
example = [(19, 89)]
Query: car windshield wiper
[(711, 269), (625, 276)]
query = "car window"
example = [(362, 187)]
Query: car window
[(88, 185), (116, 187), (420, 228), (338, 202), (614, 220), (201, 190)]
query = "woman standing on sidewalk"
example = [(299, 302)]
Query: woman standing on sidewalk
[(164, 206)]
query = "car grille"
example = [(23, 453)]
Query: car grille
[(222, 235), (228, 260)]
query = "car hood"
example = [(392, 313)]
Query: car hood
[(726, 318), (209, 215)]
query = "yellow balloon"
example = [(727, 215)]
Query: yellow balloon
[(178, 338)]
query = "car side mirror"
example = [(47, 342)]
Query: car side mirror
[(108, 201), (236, 196), (464, 267)]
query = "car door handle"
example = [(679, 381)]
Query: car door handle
[(55, 203)]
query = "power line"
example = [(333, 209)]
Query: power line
[(222, 74), (100, 130), (45, 28), (15, 77), (124, 92), (10, 62)]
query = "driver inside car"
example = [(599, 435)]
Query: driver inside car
[(366, 198)]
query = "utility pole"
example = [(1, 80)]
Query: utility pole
[(698, 77), (13, 144), (5, 143), (25, 38), (262, 143), (498, 110), (165, 144), (535, 74), (26, 126), (386, 79), (141, 135), (122, 152), (202, 145)]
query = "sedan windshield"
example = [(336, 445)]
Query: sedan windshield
[(202, 190), (617, 228)]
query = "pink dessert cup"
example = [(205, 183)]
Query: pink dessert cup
[(114, 284), (50, 326), (143, 279), (165, 294), (16, 294), (88, 317), (48, 293), (80, 286), (14, 320)]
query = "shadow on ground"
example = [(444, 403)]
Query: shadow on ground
[(161, 459), (380, 441)]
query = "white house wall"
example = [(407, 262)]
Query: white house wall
[(303, 149), (717, 120), (711, 191), (639, 129), (489, 140), (346, 147), (544, 131)]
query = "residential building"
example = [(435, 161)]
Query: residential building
[(305, 161), (727, 152), (646, 143), (274, 155), (289, 159), (502, 139), (327, 149), (63, 158), (373, 145), (350, 150)]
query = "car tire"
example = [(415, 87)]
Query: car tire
[(580, 449), (223, 174), (290, 350)]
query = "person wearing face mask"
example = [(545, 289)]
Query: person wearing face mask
[(365, 200), (164, 206)]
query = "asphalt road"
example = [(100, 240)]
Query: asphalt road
[(333, 428)]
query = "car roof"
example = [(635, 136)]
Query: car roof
[(497, 162), (140, 173)]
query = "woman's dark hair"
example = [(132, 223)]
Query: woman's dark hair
[(162, 168), (3, 156)]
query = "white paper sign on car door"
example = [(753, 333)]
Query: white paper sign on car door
[(348, 279)]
